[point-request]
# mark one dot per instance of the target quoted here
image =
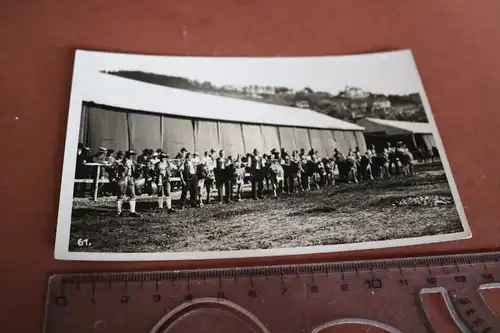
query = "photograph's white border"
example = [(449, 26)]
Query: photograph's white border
[(82, 65)]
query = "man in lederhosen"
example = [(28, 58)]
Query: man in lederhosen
[(164, 173), (124, 171)]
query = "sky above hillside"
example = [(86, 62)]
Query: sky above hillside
[(385, 73)]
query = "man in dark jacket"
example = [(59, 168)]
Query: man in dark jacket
[(222, 180), (257, 171)]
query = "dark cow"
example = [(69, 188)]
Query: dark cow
[(202, 172), (406, 159), (347, 168), (304, 172), (317, 172), (380, 165)]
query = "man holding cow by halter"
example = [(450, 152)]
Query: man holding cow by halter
[(153, 172)]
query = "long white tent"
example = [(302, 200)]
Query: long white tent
[(121, 113)]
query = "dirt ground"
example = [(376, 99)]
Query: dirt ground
[(415, 206)]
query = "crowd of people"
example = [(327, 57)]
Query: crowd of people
[(281, 171)]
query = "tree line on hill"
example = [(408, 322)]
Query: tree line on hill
[(402, 107)]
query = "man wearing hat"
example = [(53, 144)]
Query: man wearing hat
[(196, 159), (188, 180), (182, 154), (164, 172), (154, 158), (81, 170), (257, 167), (222, 182), (113, 169), (124, 170), (208, 161), (109, 156), (213, 156), (101, 156), (143, 158)]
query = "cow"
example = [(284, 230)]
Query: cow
[(347, 168), (304, 172), (317, 172), (210, 179), (365, 166), (276, 176), (202, 172), (239, 172), (350, 167), (380, 165), (406, 159), (329, 164), (297, 171)]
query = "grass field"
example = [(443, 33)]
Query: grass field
[(421, 205)]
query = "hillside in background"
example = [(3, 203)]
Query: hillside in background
[(351, 104)]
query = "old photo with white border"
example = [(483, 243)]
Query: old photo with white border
[(172, 158)]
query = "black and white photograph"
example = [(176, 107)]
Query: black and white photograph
[(172, 157)]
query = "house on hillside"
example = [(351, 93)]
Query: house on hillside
[(303, 103), (357, 101), (380, 102), (255, 90), (161, 117)]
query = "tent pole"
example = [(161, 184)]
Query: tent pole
[(96, 182), (414, 141)]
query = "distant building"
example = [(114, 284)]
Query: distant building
[(356, 100), (228, 87), (380, 102), (406, 107), (256, 91), (354, 93), (304, 103)]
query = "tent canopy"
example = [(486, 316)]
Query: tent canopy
[(394, 127), (120, 114), (106, 89)]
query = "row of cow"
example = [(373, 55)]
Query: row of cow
[(281, 172)]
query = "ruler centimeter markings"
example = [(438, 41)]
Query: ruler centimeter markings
[(389, 294)]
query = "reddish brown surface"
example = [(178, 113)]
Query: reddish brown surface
[(455, 43)]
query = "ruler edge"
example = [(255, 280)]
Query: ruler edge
[(430, 261), (434, 259), (47, 302)]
